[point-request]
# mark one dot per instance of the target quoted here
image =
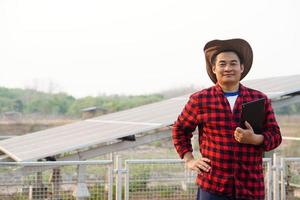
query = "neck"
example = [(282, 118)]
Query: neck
[(230, 88)]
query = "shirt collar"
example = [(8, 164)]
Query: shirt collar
[(231, 94), (220, 91)]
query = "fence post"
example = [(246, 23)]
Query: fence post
[(275, 178), (110, 168), (269, 177), (119, 178), (126, 181), (283, 179), (110, 182), (81, 192)]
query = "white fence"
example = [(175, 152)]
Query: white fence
[(159, 179), (169, 179), (166, 179), (56, 180)]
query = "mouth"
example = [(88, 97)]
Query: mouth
[(228, 75)]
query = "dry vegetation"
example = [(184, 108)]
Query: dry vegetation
[(23, 126), (290, 127)]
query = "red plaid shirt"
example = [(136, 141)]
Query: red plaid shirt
[(236, 169)]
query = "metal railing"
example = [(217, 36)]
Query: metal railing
[(169, 179), (159, 179), (166, 179), (290, 178), (59, 180)]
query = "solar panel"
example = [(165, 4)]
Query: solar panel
[(91, 132), (109, 127), (277, 86)]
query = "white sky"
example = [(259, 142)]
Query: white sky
[(91, 47)]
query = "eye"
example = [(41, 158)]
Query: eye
[(222, 64), (233, 63)]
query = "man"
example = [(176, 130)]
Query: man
[(231, 162)]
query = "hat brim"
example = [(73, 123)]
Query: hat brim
[(240, 46)]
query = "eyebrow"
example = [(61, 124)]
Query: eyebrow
[(229, 61)]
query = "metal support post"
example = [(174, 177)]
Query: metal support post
[(81, 192), (110, 181), (275, 178), (119, 178), (283, 179), (126, 181)]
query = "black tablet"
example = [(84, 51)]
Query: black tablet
[(254, 113)]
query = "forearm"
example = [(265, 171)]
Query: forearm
[(182, 140), (188, 156), (258, 139), (272, 139), (271, 133), (183, 128)]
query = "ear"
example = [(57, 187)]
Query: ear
[(213, 69), (242, 68)]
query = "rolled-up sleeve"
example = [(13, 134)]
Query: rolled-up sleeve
[(183, 128)]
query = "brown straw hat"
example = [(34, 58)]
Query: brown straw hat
[(239, 46)]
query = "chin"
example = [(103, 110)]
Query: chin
[(230, 81)]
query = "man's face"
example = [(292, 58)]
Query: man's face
[(228, 68)]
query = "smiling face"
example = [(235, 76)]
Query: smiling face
[(228, 69)]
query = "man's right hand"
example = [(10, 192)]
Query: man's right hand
[(199, 165)]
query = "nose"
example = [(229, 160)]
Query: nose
[(227, 67)]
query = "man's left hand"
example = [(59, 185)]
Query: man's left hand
[(247, 136)]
